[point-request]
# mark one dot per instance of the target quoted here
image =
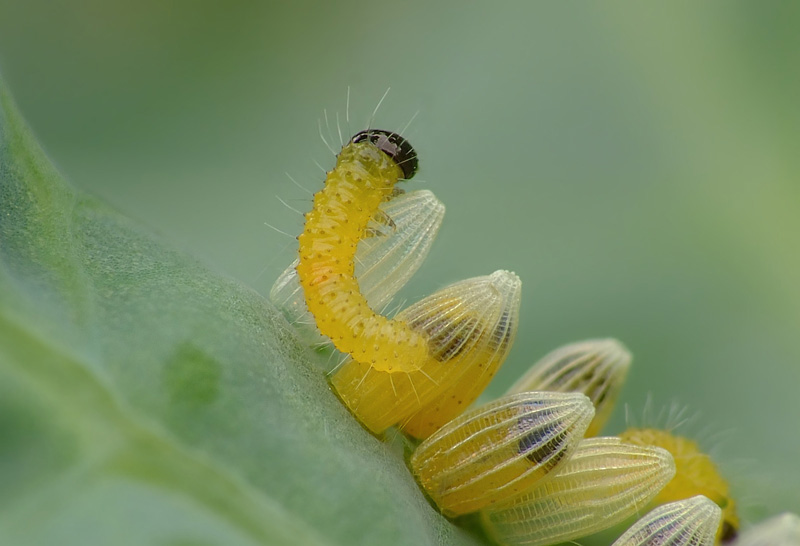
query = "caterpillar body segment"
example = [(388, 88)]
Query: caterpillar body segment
[(384, 262), (367, 169), (690, 522), (467, 326), (604, 482), (696, 475), (500, 449), (596, 367), (396, 367)]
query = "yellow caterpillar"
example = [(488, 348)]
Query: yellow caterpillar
[(469, 328), (426, 366), (383, 263), (696, 475), (367, 169)]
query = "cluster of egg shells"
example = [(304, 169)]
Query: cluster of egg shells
[(529, 462)]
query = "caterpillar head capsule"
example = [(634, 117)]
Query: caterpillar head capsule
[(500, 449), (383, 264), (597, 368), (393, 145), (468, 328), (696, 475), (606, 481), (690, 522)]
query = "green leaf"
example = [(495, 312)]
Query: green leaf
[(146, 400)]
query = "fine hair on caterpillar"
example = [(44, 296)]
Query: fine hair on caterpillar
[(367, 169), (696, 471), (469, 327), (425, 366), (696, 474), (338, 133), (526, 466), (384, 262)]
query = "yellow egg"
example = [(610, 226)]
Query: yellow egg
[(426, 365), (696, 475), (468, 328), (500, 449)]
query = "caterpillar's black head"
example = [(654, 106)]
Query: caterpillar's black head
[(393, 145)]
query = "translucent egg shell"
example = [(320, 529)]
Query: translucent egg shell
[(476, 340), (400, 241), (500, 449), (604, 482), (689, 522), (596, 367), (468, 328), (696, 474)]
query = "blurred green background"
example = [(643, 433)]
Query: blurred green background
[(636, 165)]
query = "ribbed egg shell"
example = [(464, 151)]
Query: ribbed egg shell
[(689, 522), (500, 449), (471, 327), (401, 237), (604, 482), (596, 367), (468, 329)]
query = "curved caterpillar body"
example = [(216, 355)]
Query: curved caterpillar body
[(469, 328), (696, 475), (366, 171), (383, 263), (428, 364)]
